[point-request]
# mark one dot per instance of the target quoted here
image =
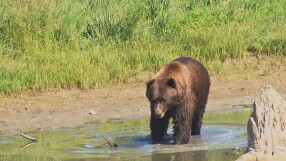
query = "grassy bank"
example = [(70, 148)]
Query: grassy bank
[(54, 44)]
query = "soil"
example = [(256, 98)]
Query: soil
[(71, 108)]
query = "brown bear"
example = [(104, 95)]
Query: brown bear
[(180, 91)]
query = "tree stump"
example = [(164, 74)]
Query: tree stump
[(267, 128)]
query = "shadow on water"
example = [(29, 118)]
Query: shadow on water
[(86, 143)]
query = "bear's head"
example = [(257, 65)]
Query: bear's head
[(162, 94)]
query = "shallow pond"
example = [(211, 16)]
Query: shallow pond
[(87, 143)]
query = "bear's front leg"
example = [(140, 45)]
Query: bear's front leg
[(158, 128), (182, 128)]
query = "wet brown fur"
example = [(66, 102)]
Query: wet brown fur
[(190, 81)]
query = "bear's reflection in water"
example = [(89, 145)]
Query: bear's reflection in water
[(180, 156)]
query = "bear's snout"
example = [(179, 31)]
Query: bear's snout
[(159, 111), (158, 115)]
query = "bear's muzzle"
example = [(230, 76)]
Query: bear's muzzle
[(159, 111)]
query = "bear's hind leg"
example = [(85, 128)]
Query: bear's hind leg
[(159, 128), (197, 121)]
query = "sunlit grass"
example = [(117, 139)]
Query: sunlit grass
[(232, 117), (52, 44)]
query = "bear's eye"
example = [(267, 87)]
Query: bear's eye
[(161, 100), (153, 102)]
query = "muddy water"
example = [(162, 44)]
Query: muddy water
[(86, 143), (218, 139)]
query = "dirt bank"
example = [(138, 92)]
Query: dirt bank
[(70, 108)]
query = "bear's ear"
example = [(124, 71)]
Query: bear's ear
[(150, 82), (171, 82)]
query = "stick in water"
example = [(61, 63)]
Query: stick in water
[(111, 144), (27, 145), (27, 137)]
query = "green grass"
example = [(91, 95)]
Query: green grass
[(53, 44), (232, 117)]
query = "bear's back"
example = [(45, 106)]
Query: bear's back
[(198, 76)]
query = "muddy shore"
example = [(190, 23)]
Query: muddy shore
[(71, 108)]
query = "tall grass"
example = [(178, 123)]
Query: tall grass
[(55, 44)]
